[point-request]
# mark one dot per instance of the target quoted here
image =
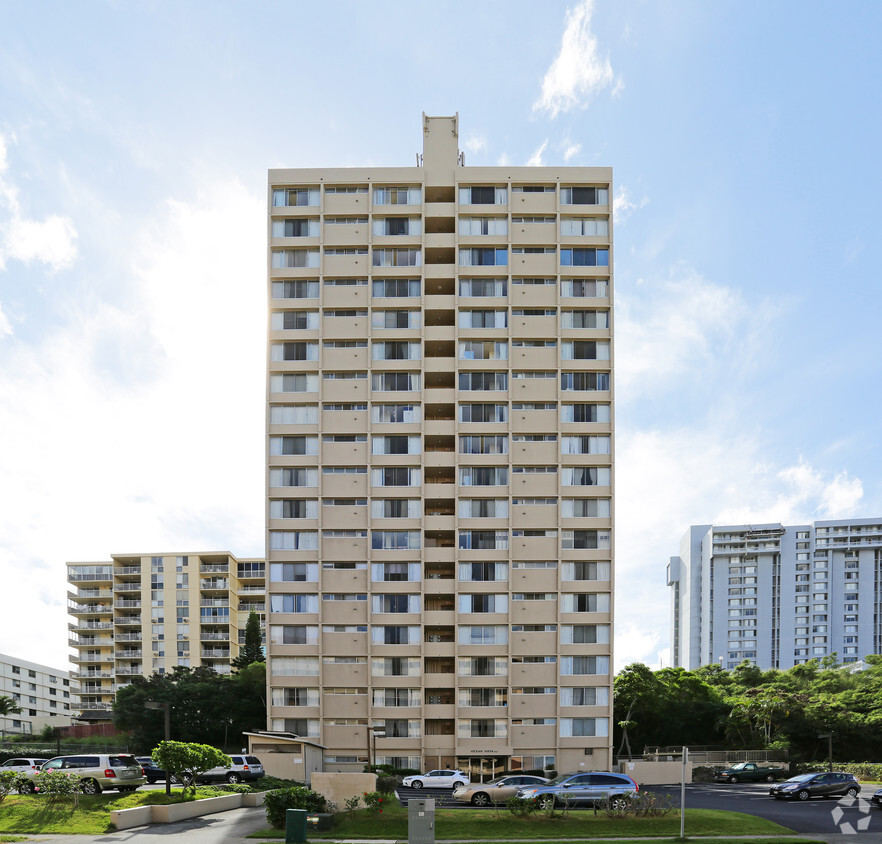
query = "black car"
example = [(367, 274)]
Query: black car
[(826, 784), (150, 770), (876, 799)]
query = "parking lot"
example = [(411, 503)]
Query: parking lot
[(818, 816)]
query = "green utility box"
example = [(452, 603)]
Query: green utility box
[(295, 826)]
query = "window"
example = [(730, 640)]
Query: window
[(483, 350), (483, 666), (395, 381), (294, 603), (396, 698), (395, 634), (483, 319), (483, 225), (397, 196), (584, 602), (396, 476), (291, 197), (395, 413), (483, 572), (392, 288), (584, 319), (475, 287), (584, 381), (483, 603), (483, 195), (584, 413), (396, 349), (588, 288), (482, 728), (577, 665), (395, 319), (292, 540), (383, 226), (294, 414), (483, 413), (395, 666), (584, 227), (288, 258), (395, 539), (293, 477), (293, 634), (296, 697), (395, 603), (584, 257), (584, 696), (291, 383), (487, 444), (282, 446), (585, 445), (584, 476), (345, 189), (584, 727), (483, 508), (291, 320), (294, 508), (483, 380), (405, 444), (295, 289), (405, 257), (483, 256), (395, 572), (483, 475), (395, 508), (571, 508), (584, 350), (303, 227), (578, 195), (584, 634), (483, 539)]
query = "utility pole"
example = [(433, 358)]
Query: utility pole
[(155, 704)]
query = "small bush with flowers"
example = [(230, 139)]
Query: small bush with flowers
[(373, 801), (58, 785)]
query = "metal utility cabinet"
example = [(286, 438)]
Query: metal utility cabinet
[(421, 821)]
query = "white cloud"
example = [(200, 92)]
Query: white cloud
[(137, 428), (670, 325), (503, 160), (622, 205), (475, 143), (51, 241), (579, 71), (5, 325), (571, 151), (535, 159)]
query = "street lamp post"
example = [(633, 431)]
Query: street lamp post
[(155, 704), (829, 737), (376, 732)]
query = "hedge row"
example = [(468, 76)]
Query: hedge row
[(862, 770)]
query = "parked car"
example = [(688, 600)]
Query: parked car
[(583, 788), (495, 791), (826, 784), (151, 771), (876, 799), (243, 768), (97, 772), (749, 772), (437, 779), (22, 764)]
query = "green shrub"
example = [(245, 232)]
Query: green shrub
[(521, 807), (58, 785), (862, 770), (387, 784), (267, 783), (373, 801), (703, 773), (299, 797), (8, 783)]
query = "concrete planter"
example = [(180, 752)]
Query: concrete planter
[(141, 815)]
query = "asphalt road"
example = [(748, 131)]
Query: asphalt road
[(819, 816)]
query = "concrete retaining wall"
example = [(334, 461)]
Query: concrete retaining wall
[(339, 787), (141, 815)]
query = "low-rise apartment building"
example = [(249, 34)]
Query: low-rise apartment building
[(43, 693)]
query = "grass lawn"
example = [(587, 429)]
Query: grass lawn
[(501, 826), (35, 813)]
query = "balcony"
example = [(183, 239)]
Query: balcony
[(127, 654), (128, 637), (245, 606), (127, 570), (91, 627), (85, 594), (215, 654), (126, 604), (128, 620), (212, 636), (128, 670), (76, 642), (219, 568), (89, 609)]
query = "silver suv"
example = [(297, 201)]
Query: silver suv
[(243, 768), (592, 788), (97, 772)]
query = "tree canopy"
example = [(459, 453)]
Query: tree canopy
[(252, 649), (748, 708), (204, 707)]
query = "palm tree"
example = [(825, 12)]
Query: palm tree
[(8, 706)]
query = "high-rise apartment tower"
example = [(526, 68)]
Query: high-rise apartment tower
[(439, 455)]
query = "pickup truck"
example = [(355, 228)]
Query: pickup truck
[(749, 772)]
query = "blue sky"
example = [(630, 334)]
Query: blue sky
[(134, 144)]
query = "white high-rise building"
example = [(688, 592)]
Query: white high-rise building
[(777, 595), (440, 470)]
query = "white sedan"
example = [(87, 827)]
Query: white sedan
[(437, 779)]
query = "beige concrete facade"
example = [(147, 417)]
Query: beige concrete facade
[(440, 462), (142, 613)]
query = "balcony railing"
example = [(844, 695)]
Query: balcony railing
[(128, 619), (127, 570), (213, 567), (127, 655), (125, 604), (215, 654), (127, 671)]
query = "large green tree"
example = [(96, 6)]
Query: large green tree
[(252, 649), (204, 707)]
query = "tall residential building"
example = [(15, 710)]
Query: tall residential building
[(144, 613), (43, 693), (439, 452), (777, 595)]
